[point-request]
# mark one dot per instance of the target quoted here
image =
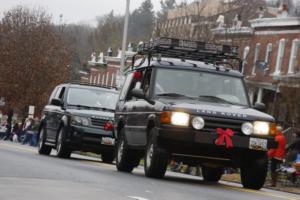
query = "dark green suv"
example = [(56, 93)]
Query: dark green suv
[(182, 101), (79, 118)]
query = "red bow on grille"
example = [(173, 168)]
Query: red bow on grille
[(224, 136)]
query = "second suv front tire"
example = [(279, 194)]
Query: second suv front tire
[(62, 148)]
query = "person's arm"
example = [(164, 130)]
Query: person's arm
[(271, 153)]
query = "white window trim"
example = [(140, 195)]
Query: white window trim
[(256, 56), (293, 57), (245, 56), (280, 54)]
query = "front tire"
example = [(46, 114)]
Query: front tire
[(43, 149), (212, 174), (126, 159), (62, 148), (254, 173), (156, 159)]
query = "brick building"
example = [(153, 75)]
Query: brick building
[(105, 70), (270, 50)]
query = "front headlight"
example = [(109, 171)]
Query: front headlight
[(198, 123), (180, 119), (247, 128), (261, 128), (76, 120)]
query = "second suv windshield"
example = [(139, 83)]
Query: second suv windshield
[(95, 98), (200, 85)]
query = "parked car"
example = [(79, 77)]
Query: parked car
[(179, 102), (79, 117)]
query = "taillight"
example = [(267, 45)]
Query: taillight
[(108, 125)]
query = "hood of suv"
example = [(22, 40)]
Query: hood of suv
[(220, 110), (91, 113)]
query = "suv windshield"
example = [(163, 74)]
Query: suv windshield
[(200, 85), (95, 98)]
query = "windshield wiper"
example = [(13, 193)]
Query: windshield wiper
[(80, 106), (174, 95), (90, 107), (216, 98)]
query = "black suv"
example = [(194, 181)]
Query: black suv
[(79, 118), (181, 101)]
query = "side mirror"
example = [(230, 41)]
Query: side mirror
[(138, 93), (56, 102), (260, 106)]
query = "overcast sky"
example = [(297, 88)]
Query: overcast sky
[(75, 11)]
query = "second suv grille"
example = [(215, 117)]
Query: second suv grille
[(98, 122)]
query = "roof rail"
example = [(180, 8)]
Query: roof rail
[(91, 84), (189, 50)]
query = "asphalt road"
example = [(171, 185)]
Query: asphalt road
[(25, 175)]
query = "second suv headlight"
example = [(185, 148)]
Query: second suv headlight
[(76, 120)]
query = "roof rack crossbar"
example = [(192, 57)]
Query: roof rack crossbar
[(189, 50)]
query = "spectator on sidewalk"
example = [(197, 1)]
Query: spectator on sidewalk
[(277, 155), (28, 129), (293, 149)]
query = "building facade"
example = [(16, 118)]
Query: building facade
[(271, 55)]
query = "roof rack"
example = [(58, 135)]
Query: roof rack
[(92, 84), (189, 50)]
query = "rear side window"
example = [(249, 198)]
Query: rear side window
[(53, 94), (125, 87)]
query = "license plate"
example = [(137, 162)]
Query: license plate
[(258, 144), (108, 141)]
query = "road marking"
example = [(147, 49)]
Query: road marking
[(260, 192), (17, 147), (137, 198)]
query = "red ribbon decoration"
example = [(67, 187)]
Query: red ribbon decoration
[(224, 136)]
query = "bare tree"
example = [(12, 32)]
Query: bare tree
[(34, 57)]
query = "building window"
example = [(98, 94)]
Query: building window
[(98, 82), (280, 55), (293, 57), (112, 79), (256, 55), (268, 53), (245, 56)]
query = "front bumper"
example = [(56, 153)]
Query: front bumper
[(191, 145), (90, 138), (189, 135)]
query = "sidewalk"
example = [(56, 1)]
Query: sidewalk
[(236, 178)]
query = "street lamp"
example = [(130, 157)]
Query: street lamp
[(124, 38)]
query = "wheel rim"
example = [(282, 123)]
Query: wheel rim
[(59, 139), (149, 156), (40, 144), (120, 150)]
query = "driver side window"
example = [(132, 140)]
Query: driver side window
[(146, 82)]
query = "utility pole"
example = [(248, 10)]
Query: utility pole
[(124, 38)]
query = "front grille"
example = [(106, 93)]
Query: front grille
[(211, 123), (98, 122)]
